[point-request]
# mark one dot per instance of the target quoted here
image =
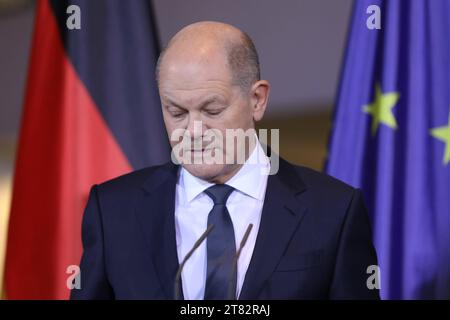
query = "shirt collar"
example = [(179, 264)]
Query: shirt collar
[(247, 180)]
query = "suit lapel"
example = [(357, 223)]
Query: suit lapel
[(155, 211), (281, 216)]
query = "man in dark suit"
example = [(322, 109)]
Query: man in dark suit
[(310, 238)]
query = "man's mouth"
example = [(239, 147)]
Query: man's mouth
[(195, 150), (200, 150)]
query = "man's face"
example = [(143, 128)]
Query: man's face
[(203, 91)]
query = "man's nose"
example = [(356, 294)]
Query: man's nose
[(195, 127)]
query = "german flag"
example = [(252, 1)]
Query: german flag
[(91, 113)]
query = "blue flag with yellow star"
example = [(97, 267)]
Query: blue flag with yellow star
[(391, 138)]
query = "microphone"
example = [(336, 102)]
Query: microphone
[(186, 258), (232, 284)]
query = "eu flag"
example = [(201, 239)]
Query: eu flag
[(391, 138)]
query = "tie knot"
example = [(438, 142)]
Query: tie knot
[(219, 193)]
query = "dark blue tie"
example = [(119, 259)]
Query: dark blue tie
[(221, 246)]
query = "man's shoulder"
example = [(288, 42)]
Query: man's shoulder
[(325, 194), (132, 181), (322, 184), (315, 178)]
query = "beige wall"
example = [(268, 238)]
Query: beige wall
[(303, 138)]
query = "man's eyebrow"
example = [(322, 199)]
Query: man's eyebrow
[(210, 100), (205, 103), (169, 102)]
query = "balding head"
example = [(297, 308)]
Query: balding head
[(208, 78), (214, 42)]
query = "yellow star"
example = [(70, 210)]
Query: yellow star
[(443, 134), (381, 109)]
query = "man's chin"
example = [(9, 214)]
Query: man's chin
[(207, 172)]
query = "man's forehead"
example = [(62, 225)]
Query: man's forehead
[(194, 78), (200, 55), (198, 97)]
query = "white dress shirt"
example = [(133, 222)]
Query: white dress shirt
[(192, 207)]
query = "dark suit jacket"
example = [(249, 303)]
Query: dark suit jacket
[(314, 240)]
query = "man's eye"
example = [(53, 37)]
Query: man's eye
[(178, 114), (213, 112)]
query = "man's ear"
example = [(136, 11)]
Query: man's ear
[(259, 98)]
